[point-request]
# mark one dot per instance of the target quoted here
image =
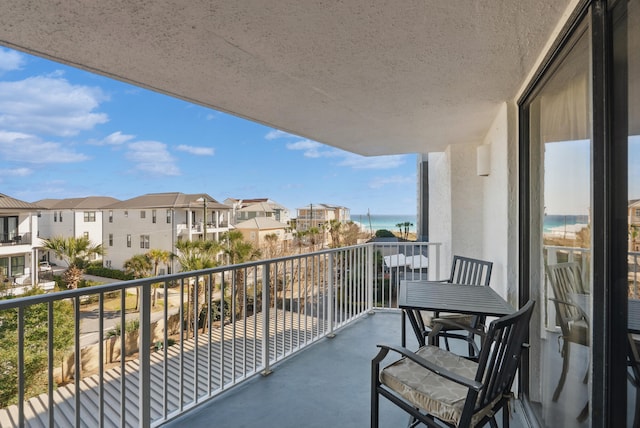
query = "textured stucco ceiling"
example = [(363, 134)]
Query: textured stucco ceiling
[(372, 77)]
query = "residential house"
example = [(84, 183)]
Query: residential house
[(544, 96), (320, 215), (72, 217), (255, 230), (159, 220), (19, 245), (245, 209)]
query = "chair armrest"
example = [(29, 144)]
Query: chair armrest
[(583, 314), (438, 323), (440, 371)]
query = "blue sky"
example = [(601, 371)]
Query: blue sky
[(68, 133)]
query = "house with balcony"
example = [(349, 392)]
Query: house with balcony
[(20, 247), (245, 209), (320, 215), (72, 217), (516, 111), (159, 220)]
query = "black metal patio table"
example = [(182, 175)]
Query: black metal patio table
[(447, 297)]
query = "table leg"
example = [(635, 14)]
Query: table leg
[(404, 329)]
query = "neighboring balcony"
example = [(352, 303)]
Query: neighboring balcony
[(13, 239)]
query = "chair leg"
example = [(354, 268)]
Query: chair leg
[(565, 367), (636, 417)]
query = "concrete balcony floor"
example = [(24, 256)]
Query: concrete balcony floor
[(326, 385)]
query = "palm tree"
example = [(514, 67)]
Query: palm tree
[(335, 227), (157, 256), (271, 241), (237, 251), (76, 252), (138, 266), (197, 255)]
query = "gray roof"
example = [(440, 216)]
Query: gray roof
[(7, 202), (260, 223), (259, 207), (168, 200), (89, 202)]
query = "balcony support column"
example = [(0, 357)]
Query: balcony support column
[(370, 278), (330, 285), (144, 357), (266, 306)]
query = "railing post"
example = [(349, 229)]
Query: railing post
[(266, 330), (144, 386), (330, 314), (370, 277)]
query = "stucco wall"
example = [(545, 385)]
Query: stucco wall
[(500, 203), (477, 216)]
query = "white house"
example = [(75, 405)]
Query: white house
[(245, 209), (77, 217), (19, 245), (159, 220)]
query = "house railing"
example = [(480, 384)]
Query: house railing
[(193, 336)]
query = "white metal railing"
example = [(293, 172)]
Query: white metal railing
[(209, 330)]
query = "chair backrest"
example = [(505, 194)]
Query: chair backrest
[(500, 355), (565, 278), (468, 271)]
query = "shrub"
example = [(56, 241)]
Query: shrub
[(384, 233), (107, 273)]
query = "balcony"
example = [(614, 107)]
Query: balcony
[(313, 320), (7, 239)]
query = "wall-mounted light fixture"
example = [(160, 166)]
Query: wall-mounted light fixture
[(483, 160)]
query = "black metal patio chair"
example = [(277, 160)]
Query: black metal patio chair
[(566, 279), (466, 271), (436, 386)]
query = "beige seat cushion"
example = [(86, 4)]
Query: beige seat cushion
[(426, 390), (428, 318)]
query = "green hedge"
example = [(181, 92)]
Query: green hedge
[(107, 273)]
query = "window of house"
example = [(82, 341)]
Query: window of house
[(17, 265), (637, 212), (143, 214), (89, 216), (168, 216), (111, 239), (153, 216), (110, 216), (126, 213), (60, 215), (144, 241), (128, 241), (55, 216), (8, 228)]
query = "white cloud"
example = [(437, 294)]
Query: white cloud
[(15, 172), (10, 60), (313, 149), (380, 182), (20, 147), (152, 157), (114, 139), (200, 151), (276, 134), (371, 162), (49, 105)]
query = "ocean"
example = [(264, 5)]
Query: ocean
[(558, 222), (384, 221)]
